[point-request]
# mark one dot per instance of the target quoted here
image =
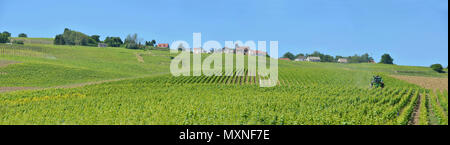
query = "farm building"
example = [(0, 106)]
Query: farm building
[(246, 50), (242, 50), (300, 58), (343, 60), (228, 50), (257, 53), (285, 59), (102, 45), (163, 45), (313, 59)]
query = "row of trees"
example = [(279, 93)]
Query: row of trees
[(4, 36), (386, 59), (6, 33), (132, 41)]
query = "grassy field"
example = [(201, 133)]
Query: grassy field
[(143, 92)]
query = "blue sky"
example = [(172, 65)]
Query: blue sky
[(414, 32)]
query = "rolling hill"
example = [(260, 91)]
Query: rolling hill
[(48, 84)]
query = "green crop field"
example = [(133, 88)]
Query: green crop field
[(90, 85)]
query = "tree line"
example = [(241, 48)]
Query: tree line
[(132, 41), (4, 37), (365, 58)]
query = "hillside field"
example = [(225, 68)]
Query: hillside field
[(42, 83)]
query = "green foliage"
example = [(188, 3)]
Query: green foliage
[(18, 42), (150, 43), (328, 58), (437, 109), (423, 116), (113, 41), (365, 58), (289, 55), (23, 35), (70, 37), (387, 59), (6, 33), (59, 40), (133, 42), (438, 68), (4, 38), (96, 38)]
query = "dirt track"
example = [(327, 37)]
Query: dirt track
[(11, 89), (426, 82), (4, 63), (416, 113)]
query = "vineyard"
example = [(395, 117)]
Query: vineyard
[(306, 94)]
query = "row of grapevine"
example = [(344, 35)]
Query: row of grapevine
[(438, 110), (423, 115)]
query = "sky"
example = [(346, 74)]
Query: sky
[(413, 32)]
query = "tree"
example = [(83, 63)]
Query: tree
[(4, 38), (6, 33), (327, 58), (338, 57), (387, 59), (59, 40), (23, 35), (113, 41), (133, 42), (96, 38), (289, 55), (149, 43), (438, 68), (300, 54)]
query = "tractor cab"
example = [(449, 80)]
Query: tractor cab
[(377, 82)]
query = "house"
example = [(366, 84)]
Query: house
[(198, 50), (313, 59), (257, 53), (163, 45), (244, 50), (342, 60), (300, 58), (261, 53), (285, 59), (102, 45)]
